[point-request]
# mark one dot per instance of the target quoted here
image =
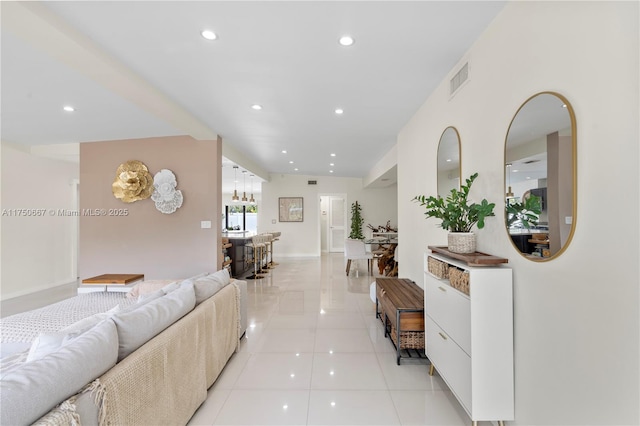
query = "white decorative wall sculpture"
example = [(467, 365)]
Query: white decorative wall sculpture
[(167, 198)]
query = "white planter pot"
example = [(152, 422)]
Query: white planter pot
[(462, 242)]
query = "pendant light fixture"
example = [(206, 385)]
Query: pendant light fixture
[(244, 187), (509, 191), (252, 200), (235, 197)]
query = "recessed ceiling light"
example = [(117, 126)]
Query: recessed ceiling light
[(339, 111), (564, 105), (448, 160), (295, 170), (209, 35), (290, 162), (330, 171), (68, 108), (256, 107), (331, 164), (346, 40), (333, 155), (284, 151)]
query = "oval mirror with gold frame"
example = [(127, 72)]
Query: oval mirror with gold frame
[(448, 161), (540, 177)]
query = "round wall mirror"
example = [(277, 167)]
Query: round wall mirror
[(540, 176), (448, 161)]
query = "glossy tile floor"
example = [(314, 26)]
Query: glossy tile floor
[(315, 354)]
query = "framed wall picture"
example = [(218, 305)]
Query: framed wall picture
[(291, 209)]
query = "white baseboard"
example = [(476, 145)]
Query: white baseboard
[(34, 299), (36, 289)]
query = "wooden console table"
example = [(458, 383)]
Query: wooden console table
[(400, 306), (110, 282)]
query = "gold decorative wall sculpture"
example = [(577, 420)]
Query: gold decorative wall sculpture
[(133, 182)]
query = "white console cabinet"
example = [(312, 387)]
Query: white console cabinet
[(469, 337)]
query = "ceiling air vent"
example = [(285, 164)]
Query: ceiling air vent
[(312, 182), (460, 77)]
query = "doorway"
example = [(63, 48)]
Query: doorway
[(333, 220)]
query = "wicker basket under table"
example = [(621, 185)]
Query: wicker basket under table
[(408, 339)]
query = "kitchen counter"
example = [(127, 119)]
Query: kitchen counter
[(238, 234), (525, 231), (238, 254)]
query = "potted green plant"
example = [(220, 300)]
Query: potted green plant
[(356, 222), (523, 213), (458, 215)]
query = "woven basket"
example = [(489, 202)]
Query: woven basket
[(459, 279), (462, 242), (408, 339), (437, 268)]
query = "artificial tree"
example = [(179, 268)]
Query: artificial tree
[(356, 222)]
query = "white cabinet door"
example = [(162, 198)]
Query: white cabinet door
[(453, 364), (450, 309)]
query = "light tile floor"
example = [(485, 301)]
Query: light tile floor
[(315, 354)]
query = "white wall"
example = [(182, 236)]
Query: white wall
[(303, 238), (576, 317), (37, 251)]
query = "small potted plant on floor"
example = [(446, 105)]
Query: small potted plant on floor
[(458, 215)]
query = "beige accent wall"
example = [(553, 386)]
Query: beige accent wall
[(160, 246)]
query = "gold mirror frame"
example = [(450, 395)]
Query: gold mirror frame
[(448, 159), (564, 104)]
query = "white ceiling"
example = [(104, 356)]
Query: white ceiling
[(141, 69)]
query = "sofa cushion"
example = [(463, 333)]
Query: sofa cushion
[(146, 287), (33, 388), (86, 323), (138, 326), (208, 285), (195, 277), (170, 287)]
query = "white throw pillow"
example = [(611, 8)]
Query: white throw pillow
[(140, 325), (46, 343), (31, 390)]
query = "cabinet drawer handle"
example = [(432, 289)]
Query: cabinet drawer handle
[(442, 289), (443, 336)]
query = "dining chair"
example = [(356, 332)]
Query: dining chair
[(356, 250)]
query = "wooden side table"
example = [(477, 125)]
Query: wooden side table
[(110, 282)]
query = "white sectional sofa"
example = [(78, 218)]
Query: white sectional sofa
[(148, 363)]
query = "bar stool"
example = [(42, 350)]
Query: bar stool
[(268, 237), (257, 247), (275, 237)]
